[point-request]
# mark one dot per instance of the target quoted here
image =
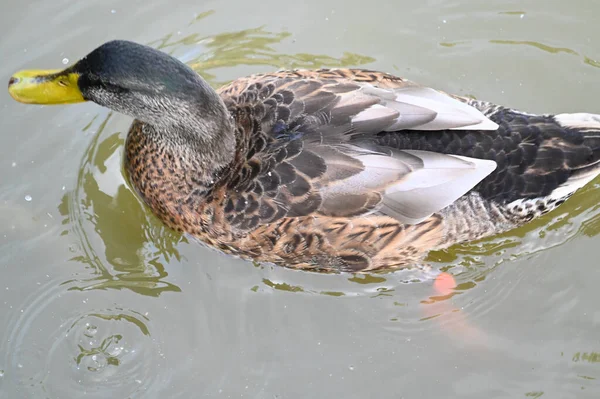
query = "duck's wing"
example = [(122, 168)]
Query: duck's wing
[(304, 147)]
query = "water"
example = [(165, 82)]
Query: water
[(98, 299)]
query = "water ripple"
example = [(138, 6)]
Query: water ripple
[(53, 352), (112, 353)]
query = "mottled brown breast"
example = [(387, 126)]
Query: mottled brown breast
[(175, 189)]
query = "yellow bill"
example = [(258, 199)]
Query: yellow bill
[(45, 87)]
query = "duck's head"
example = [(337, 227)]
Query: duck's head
[(127, 77)]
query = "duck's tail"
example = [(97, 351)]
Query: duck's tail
[(566, 158), (586, 127), (586, 124), (579, 143)]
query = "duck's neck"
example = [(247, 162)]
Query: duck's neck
[(187, 156), (204, 137), (198, 132)]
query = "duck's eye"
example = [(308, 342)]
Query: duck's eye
[(62, 83)]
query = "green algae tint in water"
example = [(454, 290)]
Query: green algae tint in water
[(99, 299)]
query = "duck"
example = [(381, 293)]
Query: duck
[(331, 170)]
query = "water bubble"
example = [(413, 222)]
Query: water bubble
[(113, 11), (13, 164), (28, 198), (1, 373), (114, 352), (90, 331), (351, 368), (65, 61)]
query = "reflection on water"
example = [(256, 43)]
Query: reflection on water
[(591, 357), (540, 46), (135, 244), (247, 47), (530, 43), (517, 13), (534, 395)]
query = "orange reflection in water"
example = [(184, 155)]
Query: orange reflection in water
[(438, 305)]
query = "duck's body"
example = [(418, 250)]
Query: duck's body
[(345, 170)]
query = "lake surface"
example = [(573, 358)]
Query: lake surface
[(99, 300)]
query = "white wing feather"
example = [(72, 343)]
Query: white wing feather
[(422, 108), (414, 184)]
